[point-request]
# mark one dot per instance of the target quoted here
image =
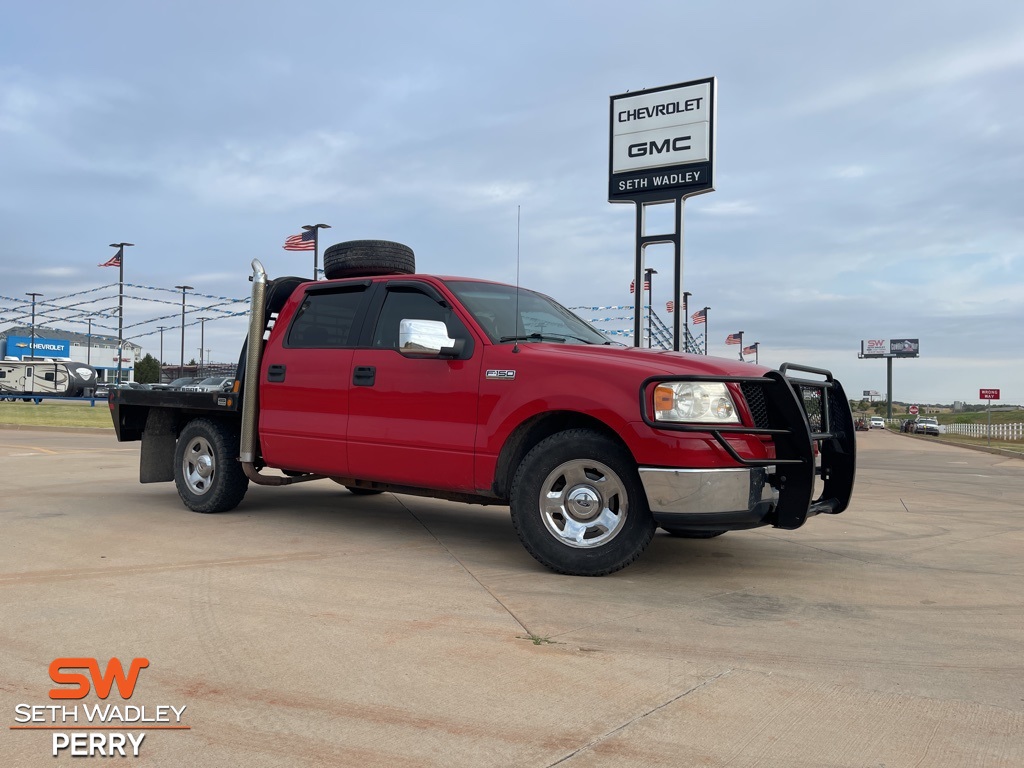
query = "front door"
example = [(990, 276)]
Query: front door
[(412, 420)]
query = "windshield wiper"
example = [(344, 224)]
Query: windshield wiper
[(532, 337)]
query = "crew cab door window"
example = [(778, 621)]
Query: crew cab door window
[(325, 319), (412, 420)]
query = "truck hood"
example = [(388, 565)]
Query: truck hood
[(652, 362)]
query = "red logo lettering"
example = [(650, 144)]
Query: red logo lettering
[(101, 681)]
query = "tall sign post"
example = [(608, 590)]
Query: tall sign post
[(662, 151), (889, 348), (988, 395)]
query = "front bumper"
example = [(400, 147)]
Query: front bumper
[(796, 413), (738, 497)]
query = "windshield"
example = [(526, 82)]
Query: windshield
[(218, 380), (539, 318)]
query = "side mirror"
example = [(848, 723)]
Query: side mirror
[(427, 338)]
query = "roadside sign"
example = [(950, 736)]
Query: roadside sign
[(988, 394), (663, 142), (913, 410)]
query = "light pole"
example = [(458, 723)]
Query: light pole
[(88, 348), (183, 288), (32, 347), (202, 341), (316, 244), (120, 302), (162, 328), (649, 283)]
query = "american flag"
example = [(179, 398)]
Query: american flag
[(304, 242), (671, 307), (751, 349), (734, 338), (115, 261), (700, 316), (632, 285)]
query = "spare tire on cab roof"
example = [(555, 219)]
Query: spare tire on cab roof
[(363, 258)]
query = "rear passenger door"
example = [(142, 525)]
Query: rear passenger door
[(305, 378), (413, 420)]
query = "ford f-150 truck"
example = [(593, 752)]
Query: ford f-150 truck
[(383, 379)]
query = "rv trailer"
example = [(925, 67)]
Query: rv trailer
[(61, 378)]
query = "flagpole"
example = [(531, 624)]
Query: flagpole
[(706, 332), (120, 305), (316, 245), (686, 321), (741, 348)]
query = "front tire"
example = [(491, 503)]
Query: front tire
[(578, 505), (207, 472)]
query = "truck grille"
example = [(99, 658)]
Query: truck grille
[(813, 399), (753, 393)]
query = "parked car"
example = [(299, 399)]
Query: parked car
[(212, 384), (877, 422), (178, 383), (927, 426)]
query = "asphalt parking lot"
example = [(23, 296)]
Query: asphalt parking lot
[(311, 627)]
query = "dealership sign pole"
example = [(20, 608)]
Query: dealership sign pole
[(662, 151)]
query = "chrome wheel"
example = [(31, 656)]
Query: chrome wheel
[(583, 503), (198, 465)]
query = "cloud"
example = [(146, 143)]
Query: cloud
[(294, 173), (945, 67)]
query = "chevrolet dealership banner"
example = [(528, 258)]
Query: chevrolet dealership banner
[(20, 346), (662, 142), (890, 348)]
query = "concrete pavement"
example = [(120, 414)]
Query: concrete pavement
[(311, 627)]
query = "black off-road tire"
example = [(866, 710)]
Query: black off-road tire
[(686, 533), (364, 258), (207, 472), (579, 483)]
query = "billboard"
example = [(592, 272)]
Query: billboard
[(890, 348), (662, 142), (20, 346)]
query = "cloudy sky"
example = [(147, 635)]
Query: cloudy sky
[(870, 159)]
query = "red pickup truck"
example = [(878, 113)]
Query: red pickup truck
[(382, 379)]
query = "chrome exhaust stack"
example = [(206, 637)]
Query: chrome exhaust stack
[(253, 353), (251, 384)]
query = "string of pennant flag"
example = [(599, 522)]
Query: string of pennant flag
[(699, 317)]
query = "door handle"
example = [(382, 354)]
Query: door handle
[(364, 376), (275, 373)]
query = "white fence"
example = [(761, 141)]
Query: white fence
[(999, 431)]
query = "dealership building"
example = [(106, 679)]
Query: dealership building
[(99, 351)]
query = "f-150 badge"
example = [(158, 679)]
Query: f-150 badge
[(496, 374)]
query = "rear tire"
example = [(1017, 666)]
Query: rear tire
[(578, 505), (363, 258), (207, 472)]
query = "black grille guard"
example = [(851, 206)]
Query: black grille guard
[(796, 413)]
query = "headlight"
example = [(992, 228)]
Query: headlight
[(704, 402)]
